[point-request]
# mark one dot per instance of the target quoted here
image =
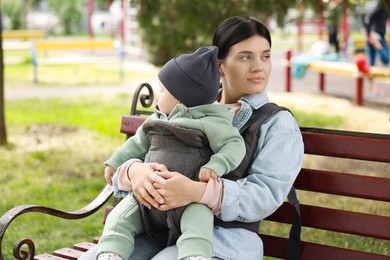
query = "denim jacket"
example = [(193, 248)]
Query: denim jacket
[(277, 162)]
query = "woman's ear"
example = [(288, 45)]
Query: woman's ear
[(220, 69)]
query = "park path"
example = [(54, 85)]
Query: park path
[(63, 91), (337, 99), (53, 92), (338, 86)]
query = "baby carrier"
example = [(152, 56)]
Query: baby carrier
[(185, 151)]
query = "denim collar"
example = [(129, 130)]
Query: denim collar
[(256, 100), (248, 104)]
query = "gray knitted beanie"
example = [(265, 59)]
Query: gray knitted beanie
[(193, 79)]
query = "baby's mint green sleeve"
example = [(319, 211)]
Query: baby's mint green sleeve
[(134, 147), (226, 142)]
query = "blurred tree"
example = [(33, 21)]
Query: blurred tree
[(170, 27), (276, 9), (3, 135), (103, 4), (13, 9), (70, 13), (326, 6), (16, 11)]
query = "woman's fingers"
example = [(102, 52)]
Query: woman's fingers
[(147, 200), (159, 167), (143, 175), (175, 190)]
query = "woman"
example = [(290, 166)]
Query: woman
[(245, 66)]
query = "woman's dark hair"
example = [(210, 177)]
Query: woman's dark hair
[(236, 29)]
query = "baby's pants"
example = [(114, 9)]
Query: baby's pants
[(125, 222)]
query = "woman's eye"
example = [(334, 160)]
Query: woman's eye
[(246, 57), (265, 57)]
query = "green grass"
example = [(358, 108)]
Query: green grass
[(95, 113)]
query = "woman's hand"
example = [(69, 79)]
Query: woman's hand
[(178, 190), (108, 173), (142, 176)]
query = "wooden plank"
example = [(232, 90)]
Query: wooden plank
[(344, 184), (347, 69), (277, 246), (355, 223), (335, 67), (68, 253), (347, 144), (379, 72), (274, 246), (130, 124), (84, 246), (48, 257), (50, 45), (96, 240), (78, 60), (23, 34)]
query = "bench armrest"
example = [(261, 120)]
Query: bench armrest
[(13, 213)]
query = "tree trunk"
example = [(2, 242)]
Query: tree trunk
[(3, 135)]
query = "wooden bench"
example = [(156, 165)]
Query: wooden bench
[(19, 39), (348, 69), (85, 45), (319, 216), (23, 34)]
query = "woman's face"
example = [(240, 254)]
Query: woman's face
[(246, 69), (165, 101)]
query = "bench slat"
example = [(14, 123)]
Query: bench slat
[(23, 34), (48, 257), (276, 246), (130, 124), (372, 147), (69, 253), (339, 68), (336, 183), (96, 240), (354, 223), (47, 45), (84, 246)]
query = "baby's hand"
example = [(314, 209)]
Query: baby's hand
[(108, 173), (205, 174)]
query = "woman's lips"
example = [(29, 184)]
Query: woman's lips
[(256, 80)]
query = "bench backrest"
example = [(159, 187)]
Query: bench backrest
[(339, 183), (332, 178), (23, 34), (63, 45)]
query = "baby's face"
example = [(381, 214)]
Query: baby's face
[(165, 101)]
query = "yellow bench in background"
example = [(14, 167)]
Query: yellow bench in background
[(18, 39), (73, 45), (23, 34), (348, 69), (93, 45), (341, 68)]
